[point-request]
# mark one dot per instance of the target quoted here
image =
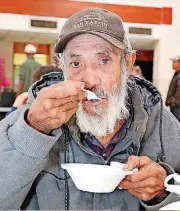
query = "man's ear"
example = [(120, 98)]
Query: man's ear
[(133, 58), (130, 60)]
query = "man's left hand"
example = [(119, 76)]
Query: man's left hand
[(148, 182)]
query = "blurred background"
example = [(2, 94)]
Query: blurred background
[(153, 27)]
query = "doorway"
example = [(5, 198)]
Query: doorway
[(147, 69), (144, 59)]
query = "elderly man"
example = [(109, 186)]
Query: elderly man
[(59, 125)]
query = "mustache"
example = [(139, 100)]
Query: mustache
[(101, 93)]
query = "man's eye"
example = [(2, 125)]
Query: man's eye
[(104, 61), (75, 64)]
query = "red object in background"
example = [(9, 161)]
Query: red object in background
[(6, 83), (145, 55), (66, 8)]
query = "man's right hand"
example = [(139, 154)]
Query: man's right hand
[(55, 105)]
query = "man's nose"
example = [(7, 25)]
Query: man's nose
[(91, 78)]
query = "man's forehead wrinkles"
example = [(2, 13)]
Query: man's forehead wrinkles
[(76, 52), (76, 49), (106, 48), (70, 53)]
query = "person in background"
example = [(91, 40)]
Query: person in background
[(137, 72), (27, 69), (44, 70), (22, 98), (173, 96)]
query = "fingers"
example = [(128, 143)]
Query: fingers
[(21, 100), (150, 182), (57, 111), (53, 103), (70, 113), (145, 196), (137, 162), (144, 190), (25, 94), (25, 97), (142, 174), (62, 90), (57, 122), (147, 168)]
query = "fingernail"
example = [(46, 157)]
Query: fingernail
[(82, 86)]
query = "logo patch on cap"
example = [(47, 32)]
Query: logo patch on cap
[(91, 20)]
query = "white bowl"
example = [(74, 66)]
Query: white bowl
[(173, 188), (95, 178), (172, 206)]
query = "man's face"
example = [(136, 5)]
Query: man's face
[(94, 61), (97, 63), (176, 65)]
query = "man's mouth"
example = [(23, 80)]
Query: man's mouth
[(94, 102), (92, 106)]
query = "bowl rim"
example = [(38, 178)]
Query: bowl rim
[(116, 170)]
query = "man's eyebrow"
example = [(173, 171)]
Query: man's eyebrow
[(73, 55), (103, 53), (106, 50)]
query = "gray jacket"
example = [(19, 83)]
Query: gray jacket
[(31, 175)]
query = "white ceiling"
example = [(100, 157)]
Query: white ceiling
[(49, 38)]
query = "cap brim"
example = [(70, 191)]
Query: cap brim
[(60, 45), (175, 59)]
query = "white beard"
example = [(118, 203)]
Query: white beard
[(104, 123)]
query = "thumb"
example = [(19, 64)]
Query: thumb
[(136, 162)]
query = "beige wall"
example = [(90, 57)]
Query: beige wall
[(167, 47), (51, 53), (6, 51), (162, 69)]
